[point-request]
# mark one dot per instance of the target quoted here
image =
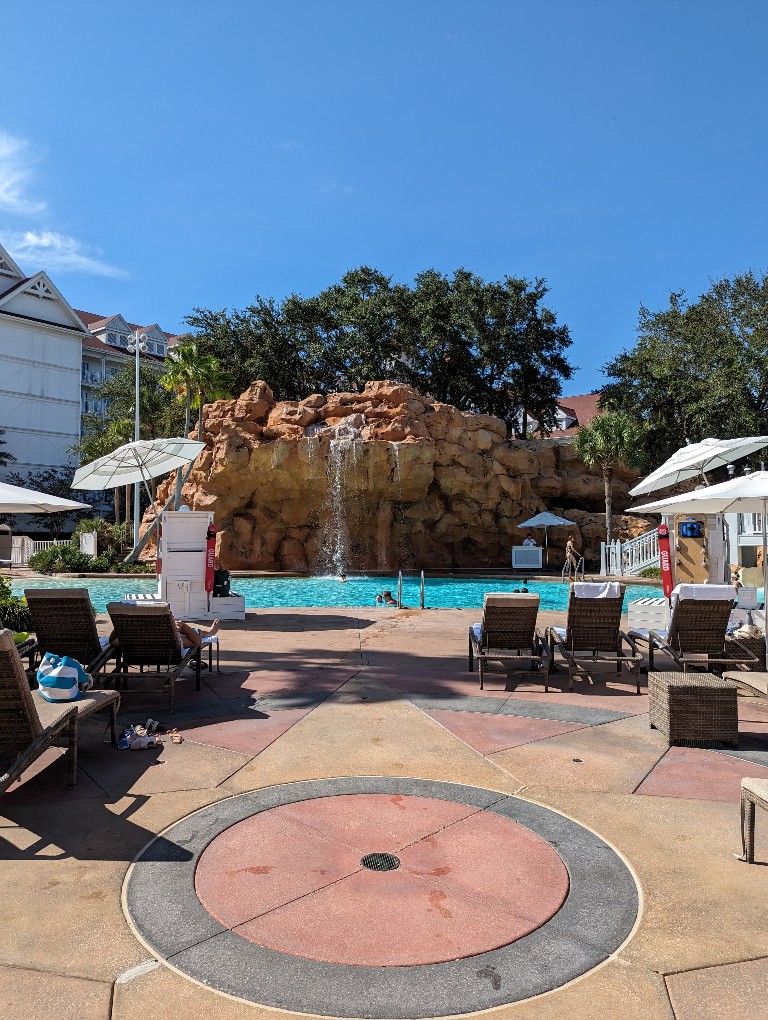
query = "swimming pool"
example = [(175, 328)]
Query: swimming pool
[(293, 592)]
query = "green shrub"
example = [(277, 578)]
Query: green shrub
[(14, 612), (651, 572), (66, 559), (60, 559)]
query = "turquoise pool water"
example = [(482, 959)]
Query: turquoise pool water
[(290, 592)]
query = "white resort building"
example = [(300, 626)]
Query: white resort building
[(52, 360)]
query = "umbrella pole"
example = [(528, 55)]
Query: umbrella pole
[(546, 543), (765, 575)]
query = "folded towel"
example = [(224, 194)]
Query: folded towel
[(597, 590), (705, 592)]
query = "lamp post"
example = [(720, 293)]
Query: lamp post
[(136, 347)]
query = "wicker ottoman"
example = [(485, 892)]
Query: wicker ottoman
[(694, 709)]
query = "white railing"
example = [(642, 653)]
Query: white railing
[(22, 547), (630, 557)]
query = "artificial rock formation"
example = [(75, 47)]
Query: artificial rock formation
[(383, 479)]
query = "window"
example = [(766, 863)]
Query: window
[(112, 338)]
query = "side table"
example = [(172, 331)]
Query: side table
[(694, 709)]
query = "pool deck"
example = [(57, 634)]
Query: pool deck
[(482, 793)]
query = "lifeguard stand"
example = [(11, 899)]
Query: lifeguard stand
[(181, 554)]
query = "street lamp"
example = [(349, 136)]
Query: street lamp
[(138, 347)]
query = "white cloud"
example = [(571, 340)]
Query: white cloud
[(51, 251), (17, 161), (39, 247), (291, 145)]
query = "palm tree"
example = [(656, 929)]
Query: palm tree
[(194, 375), (611, 440)]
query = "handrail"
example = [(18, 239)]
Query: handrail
[(399, 589), (578, 570), (421, 592)]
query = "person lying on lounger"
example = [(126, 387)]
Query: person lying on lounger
[(191, 637)]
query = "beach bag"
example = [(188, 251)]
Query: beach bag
[(61, 678)]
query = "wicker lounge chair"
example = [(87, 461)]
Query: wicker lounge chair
[(752, 683), (64, 623), (29, 724), (148, 637), (754, 793), (507, 632), (696, 635), (593, 632)]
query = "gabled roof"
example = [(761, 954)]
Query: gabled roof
[(10, 274), (584, 408), (37, 298)]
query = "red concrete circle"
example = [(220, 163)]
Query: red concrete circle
[(469, 881)]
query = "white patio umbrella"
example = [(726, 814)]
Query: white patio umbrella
[(747, 494), (545, 520), (16, 500), (136, 462), (692, 461)]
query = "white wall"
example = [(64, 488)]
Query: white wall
[(39, 393)]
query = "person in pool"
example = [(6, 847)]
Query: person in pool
[(342, 578), (386, 597)]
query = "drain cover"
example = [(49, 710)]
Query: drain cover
[(380, 862)]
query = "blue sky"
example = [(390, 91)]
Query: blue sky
[(158, 156)]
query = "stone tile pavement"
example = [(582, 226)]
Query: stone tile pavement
[(307, 695)]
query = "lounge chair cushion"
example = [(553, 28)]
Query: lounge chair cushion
[(505, 598), (597, 590)]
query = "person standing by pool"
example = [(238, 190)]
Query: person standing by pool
[(571, 556)]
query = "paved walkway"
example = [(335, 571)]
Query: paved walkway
[(544, 844)]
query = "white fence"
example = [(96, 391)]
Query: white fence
[(22, 547), (630, 557)]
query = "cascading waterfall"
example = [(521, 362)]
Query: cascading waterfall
[(339, 510)]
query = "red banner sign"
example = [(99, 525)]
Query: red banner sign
[(665, 559), (210, 557)]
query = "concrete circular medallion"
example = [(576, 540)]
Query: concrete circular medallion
[(460, 880), (495, 899)]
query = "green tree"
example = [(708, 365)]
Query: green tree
[(482, 346), (6, 457), (609, 441), (521, 352), (698, 369), (100, 436), (261, 341)]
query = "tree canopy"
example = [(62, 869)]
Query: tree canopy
[(698, 369), (483, 346)]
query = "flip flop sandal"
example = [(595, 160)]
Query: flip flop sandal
[(176, 737)]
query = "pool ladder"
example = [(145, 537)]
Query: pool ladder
[(400, 590), (579, 570)]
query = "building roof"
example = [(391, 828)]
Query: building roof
[(584, 408), (96, 322)]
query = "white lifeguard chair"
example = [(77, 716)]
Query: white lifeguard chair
[(182, 546)]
